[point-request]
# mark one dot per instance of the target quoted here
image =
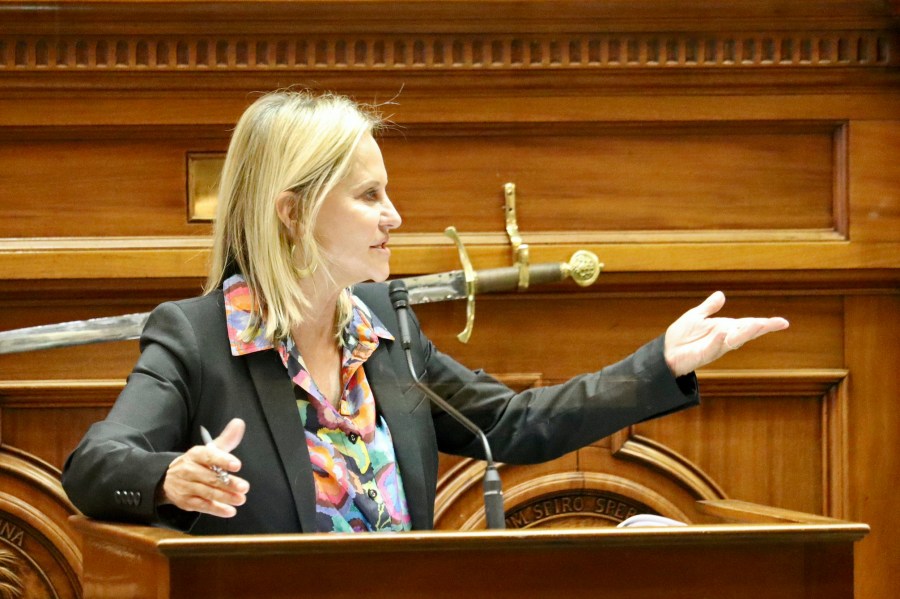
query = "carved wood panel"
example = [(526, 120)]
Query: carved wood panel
[(750, 148), (39, 554), (367, 52), (78, 187)]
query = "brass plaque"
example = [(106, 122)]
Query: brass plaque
[(203, 171)]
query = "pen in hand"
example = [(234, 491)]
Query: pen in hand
[(221, 474)]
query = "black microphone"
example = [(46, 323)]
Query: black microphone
[(493, 488)]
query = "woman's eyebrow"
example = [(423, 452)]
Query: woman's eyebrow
[(368, 183)]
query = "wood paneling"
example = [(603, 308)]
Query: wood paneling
[(873, 353), (743, 146), (682, 175), (875, 146), (754, 458), (95, 187), (588, 330), (634, 179), (47, 418)]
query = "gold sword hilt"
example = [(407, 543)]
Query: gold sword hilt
[(471, 279), (583, 267)]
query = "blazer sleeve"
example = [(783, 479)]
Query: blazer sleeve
[(113, 474), (543, 423)]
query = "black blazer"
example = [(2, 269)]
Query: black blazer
[(186, 377)]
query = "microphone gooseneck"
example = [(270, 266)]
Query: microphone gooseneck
[(493, 488)]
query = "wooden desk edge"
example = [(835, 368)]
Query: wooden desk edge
[(172, 543)]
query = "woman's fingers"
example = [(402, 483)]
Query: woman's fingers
[(212, 493), (195, 472), (191, 483), (742, 330), (231, 435), (698, 338), (218, 451), (211, 457), (205, 498), (711, 304)]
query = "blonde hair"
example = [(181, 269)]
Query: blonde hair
[(292, 141)]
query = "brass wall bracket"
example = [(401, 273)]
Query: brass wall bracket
[(583, 267)]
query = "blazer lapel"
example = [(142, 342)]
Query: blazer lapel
[(397, 407), (276, 395)]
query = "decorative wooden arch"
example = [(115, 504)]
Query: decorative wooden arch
[(38, 552), (598, 486)]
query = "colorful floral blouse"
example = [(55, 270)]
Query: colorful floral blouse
[(358, 486)]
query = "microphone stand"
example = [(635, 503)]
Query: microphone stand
[(493, 488)]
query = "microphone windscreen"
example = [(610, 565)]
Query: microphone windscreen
[(399, 294)]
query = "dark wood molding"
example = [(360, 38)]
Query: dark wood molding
[(472, 15), (436, 45), (191, 54)]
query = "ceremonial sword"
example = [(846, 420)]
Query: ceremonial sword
[(583, 268)]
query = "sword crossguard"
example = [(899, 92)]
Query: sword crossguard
[(471, 278)]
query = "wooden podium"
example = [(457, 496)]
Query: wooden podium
[(752, 551)]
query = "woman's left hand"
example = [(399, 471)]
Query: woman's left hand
[(696, 339)]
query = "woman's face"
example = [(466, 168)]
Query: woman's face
[(355, 220)]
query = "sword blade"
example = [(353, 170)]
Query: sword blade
[(77, 332), (438, 287)]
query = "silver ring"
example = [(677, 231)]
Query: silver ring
[(221, 475)]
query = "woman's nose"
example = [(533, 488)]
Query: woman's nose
[(390, 218)]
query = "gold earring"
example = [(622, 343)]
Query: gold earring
[(307, 271), (304, 271)]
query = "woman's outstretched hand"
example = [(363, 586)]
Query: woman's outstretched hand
[(193, 485), (696, 339)]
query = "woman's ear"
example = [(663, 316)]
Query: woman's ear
[(286, 206)]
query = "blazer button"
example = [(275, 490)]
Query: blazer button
[(372, 493)]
